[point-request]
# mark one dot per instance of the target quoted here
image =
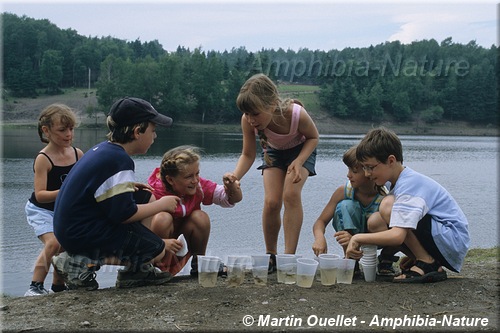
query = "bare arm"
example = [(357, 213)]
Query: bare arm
[(249, 150), (319, 227), (392, 237), (309, 130), (163, 204)]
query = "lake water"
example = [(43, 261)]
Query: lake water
[(466, 166)]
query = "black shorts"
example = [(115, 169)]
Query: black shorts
[(424, 235), (132, 242), (283, 158)]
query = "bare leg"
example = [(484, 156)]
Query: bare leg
[(293, 214), (271, 214), (42, 265), (196, 229)]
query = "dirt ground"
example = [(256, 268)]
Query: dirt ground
[(465, 302)]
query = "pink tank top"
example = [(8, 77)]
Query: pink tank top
[(290, 140)]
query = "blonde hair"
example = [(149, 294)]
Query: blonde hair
[(350, 159), (55, 112), (175, 160), (259, 93)]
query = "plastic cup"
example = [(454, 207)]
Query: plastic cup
[(235, 270), (208, 268), (285, 263), (306, 271), (370, 272), (184, 250), (345, 270), (260, 266), (328, 268)]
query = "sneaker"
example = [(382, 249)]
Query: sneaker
[(77, 271), (148, 275), (36, 289)]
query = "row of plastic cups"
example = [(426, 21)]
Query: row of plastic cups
[(291, 269), (236, 269), (333, 269)]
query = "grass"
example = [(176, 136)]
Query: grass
[(307, 94), (483, 255)]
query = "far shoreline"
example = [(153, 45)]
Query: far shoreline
[(325, 126)]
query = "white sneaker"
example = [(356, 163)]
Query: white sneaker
[(36, 290)]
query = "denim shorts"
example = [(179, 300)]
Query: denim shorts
[(283, 158), (40, 219)]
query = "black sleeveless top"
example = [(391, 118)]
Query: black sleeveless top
[(55, 178)]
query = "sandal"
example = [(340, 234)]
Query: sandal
[(406, 263), (385, 265), (431, 273), (272, 263)]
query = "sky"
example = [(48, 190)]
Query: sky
[(287, 24)]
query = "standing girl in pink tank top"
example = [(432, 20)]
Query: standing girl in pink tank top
[(288, 138)]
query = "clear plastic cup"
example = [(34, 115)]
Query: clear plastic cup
[(235, 270), (306, 271), (285, 263), (345, 270), (328, 268), (260, 266), (208, 268)]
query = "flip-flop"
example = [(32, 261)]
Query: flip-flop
[(431, 274)]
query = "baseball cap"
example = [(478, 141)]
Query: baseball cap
[(131, 110)]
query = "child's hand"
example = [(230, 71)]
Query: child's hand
[(229, 177), (353, 249), (343, 238), (173, 245), (170, 203), (141, 186), (319, 246), (231, 184), (294, 169)]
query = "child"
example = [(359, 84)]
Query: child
[(288, 137), (56, 128), (179, 175), (102, 215), (350, 206), (419, 212)]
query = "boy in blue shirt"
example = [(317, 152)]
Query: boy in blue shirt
[(419, 214), (102, 214)]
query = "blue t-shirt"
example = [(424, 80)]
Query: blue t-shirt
[(95, 198), (417, 195)]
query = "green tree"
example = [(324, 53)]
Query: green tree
[(51, 70)]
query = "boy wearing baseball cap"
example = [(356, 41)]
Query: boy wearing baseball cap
[(102, 214)]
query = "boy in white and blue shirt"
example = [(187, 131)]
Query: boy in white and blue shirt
[(418, 214)]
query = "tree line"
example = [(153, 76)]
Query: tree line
[(426, 80)]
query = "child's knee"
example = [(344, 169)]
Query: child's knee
[(162, 220), (385, 208), (200, 220)]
